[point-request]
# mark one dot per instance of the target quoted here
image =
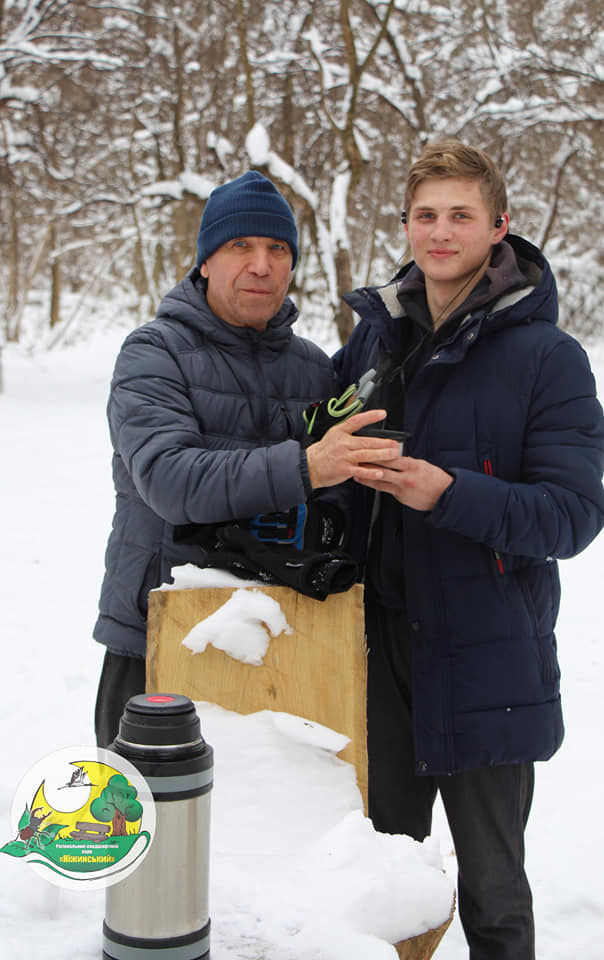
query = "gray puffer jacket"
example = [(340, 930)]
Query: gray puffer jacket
[(205, 419)]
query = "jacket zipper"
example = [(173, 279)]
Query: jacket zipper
[(262, 423), (488, 469)]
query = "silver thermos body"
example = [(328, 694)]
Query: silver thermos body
[(160, 911)]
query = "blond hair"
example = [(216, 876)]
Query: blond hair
[(451, 158)]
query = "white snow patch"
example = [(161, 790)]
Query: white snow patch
[(190, 577), (238, 627)]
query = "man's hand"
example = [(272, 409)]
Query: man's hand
[(340, 455), (415, 483)]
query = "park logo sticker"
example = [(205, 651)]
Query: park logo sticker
[(83, 817)]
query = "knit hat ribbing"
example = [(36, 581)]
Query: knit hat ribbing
[(250, 206)]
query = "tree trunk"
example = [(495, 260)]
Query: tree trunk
[(118, 824), (14, 322), (344, 317), (55, 283), (12, 299)]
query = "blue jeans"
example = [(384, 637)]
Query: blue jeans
[(487, 809)]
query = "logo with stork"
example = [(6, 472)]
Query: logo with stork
[(82, 817)]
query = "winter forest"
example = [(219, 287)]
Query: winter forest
[(117, 117)]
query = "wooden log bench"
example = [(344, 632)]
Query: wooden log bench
[(90, 832), (319, 673)]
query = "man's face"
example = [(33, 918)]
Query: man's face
[(248, 278), (451, 232)]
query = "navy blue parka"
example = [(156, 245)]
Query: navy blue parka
[(507, 405)]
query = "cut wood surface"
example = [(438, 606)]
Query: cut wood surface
[(423, 946), (319, 671)]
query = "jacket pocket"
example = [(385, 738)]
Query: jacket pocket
[(150, 580), (540, 591)]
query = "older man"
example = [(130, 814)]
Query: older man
[(205, 416)]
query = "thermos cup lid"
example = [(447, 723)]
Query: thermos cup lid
[(160, 734), (160, 719)]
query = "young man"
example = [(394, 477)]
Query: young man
[(503, 476), (205, 416)]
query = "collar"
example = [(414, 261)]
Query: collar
[(502, 276)]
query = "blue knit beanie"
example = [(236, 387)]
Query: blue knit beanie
[(250, 206)]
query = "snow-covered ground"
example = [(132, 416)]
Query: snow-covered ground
[(56, 503)]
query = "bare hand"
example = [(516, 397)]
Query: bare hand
[(415, 483), (339, 455)]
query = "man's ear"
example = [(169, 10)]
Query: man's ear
[(204, 270)]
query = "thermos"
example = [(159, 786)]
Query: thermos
[(160, 910)]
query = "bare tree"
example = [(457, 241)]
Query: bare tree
[(117, 117)]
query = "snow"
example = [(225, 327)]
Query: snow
[(337, 211), (297, 872), (186, 182), (257, 144), (328, 876), (238, 627)]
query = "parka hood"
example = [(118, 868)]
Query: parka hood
[(501, 298)]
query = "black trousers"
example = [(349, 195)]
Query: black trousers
[(121, 678), (487, 809)]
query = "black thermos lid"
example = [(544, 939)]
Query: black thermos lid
[(160, 719)]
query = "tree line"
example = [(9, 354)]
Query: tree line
[(117, 117)]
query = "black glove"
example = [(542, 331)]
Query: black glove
[(317, 525), (317, 568), (314, 574)]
